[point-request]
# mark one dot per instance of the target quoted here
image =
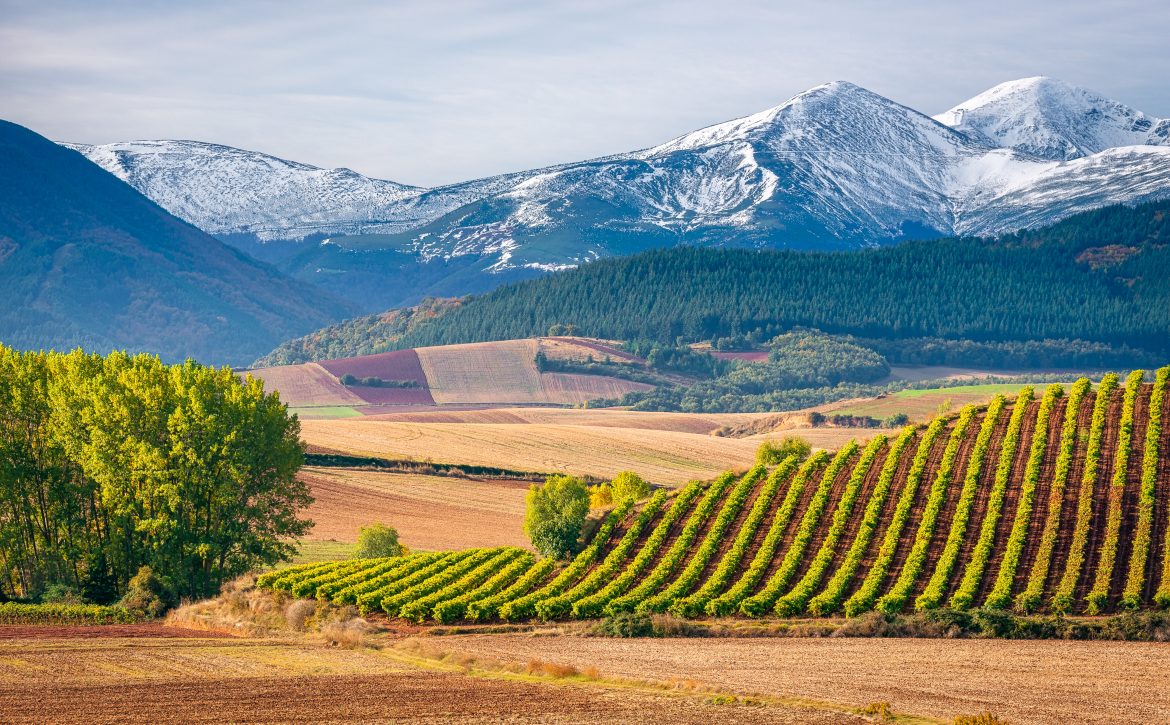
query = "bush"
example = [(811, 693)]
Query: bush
[(626, 624), (628, 484), (771, 453), (555, 514), (60, 594), (148, 594), (378, 541)]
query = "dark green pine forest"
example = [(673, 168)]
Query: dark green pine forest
[(1091, 290)]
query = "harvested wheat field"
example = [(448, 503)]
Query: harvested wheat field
[(123, 680), (496, 372), (663, 457), (699, 423), (429, 512), (306, 385), (1020, 681)]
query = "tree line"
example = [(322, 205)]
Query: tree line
[(109, 464)]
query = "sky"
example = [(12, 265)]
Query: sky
[(437, 92)]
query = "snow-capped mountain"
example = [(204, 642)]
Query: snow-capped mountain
[(1051, 119), (834, 167)]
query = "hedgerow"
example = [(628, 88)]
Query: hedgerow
[(594, 604), (689, 577), (863, 599), (1099, 594), (1029, 599), (525, 606), (973, 575), (1001, 592), (603, 573), (670, 561), (763, 601), (697, 602), (936, 588), (1062, 599), (794, 601), (19, 613), (1135, 579), (896, 598), (729, 601), (829, 600)]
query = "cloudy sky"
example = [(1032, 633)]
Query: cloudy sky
[(435, 92)]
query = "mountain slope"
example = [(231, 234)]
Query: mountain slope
[(1099, 281), (835, 167), (85, 260), (1051, 119)]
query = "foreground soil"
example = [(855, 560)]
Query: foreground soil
[(184, 679), (1020, 681)]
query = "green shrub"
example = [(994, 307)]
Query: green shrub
[(148, 595), (771, 453), (628, 484), (377, 541), (626, 624), (555, 514)]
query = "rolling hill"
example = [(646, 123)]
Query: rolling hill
[(85, 260), (836, 167), (1056, 501)]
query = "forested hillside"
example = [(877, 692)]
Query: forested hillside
[(1093, 290), (1056, 501)]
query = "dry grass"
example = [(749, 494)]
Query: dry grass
[(429, 512), (665, 457), (1021, 681), (698, 423)]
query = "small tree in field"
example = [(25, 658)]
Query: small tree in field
[(600, 496), (628, 484), (772, 452), (376, 541), (556, 512)]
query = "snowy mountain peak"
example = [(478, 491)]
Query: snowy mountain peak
[(1051, 119)]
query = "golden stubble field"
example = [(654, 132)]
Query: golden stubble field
[(664, 457), (429, 512)]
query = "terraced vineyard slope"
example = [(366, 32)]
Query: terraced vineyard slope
[(1058, 500)]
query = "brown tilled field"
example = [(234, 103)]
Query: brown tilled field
[(429, 512), (121, 679), (665, 457), (1020, 681)]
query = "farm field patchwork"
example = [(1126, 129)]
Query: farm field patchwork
[(952, 514), (661, 456)]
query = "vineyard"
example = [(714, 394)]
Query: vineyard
[(1056, 501)]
